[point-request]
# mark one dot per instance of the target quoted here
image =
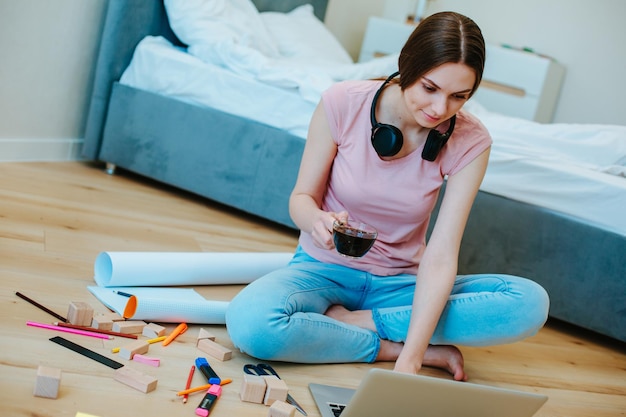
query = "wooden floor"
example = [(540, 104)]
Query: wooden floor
[(56, 217)]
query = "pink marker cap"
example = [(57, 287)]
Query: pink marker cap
[(215, 390), (202, 412)]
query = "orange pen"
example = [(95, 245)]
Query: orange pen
[(202, 387), (180, 329)]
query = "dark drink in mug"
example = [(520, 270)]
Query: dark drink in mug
[(352, 238)]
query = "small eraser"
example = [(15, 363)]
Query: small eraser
[(153, 330), (253, 389), (47, 382), (205, 334), (276, 389), (129, 326), (147, 360), (135, 379), (214, 349), (80, 314), (281, 409)]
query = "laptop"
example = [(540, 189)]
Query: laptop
[(388, 393)]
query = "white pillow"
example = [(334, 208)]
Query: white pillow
[(213, 21), (301, 36)]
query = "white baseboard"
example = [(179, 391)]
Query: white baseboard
[(40, 150)]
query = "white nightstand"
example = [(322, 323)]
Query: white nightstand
[(515, 82)]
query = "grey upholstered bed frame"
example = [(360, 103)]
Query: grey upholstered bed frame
[(252, 167)]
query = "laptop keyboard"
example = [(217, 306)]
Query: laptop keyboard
[(336, 408)]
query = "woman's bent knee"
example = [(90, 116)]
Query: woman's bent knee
[(537, 306), (249, 326)]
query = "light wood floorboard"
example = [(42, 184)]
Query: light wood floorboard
[(56, 217)]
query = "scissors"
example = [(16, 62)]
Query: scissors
[(261, 369)]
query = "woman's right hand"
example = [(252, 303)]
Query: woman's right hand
[(322, 231)]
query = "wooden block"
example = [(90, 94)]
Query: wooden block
[(129, 326), (101, 322), (135, 379), (47, 382), (281, 409), (205, 334), (104, 321), (214, 349), (131, 349), (80, 314), (276, 390), (253, 389), (79, 414), (153, 330)]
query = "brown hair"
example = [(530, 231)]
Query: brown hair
[(439, 39)]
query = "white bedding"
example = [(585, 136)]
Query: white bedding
[(159, 67), (578, 170)]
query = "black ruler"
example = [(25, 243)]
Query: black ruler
[(86, 352)]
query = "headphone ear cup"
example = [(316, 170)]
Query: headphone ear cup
[(434, 144), (387, 140), (436, 141)]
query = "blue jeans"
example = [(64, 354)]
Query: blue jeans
[(281, 315)]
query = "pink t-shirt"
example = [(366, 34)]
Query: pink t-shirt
[(397, 196)]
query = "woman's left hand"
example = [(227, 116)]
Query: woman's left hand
[(322, 231)]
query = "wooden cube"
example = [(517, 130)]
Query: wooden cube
[(131, 349), (214, 349), (129, 326), (47, 382), (253, 389), (153, 330), (104, 321), (135, 379), (276, 390), (80, 313), (281, 409)]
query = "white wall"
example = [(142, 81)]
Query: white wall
[(348, 22), (47, 50)]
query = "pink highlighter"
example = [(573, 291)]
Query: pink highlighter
[(209, 400)]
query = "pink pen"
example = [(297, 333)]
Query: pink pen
[(209, 400), (68, 330)]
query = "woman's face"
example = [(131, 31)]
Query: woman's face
[(439, 94)]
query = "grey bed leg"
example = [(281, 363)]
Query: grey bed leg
[(110, 168)]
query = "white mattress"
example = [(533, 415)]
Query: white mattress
[(578, 170)]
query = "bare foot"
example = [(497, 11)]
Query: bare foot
[(360, 318), (446, 357)]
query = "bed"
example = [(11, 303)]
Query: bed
[(228, 124)]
